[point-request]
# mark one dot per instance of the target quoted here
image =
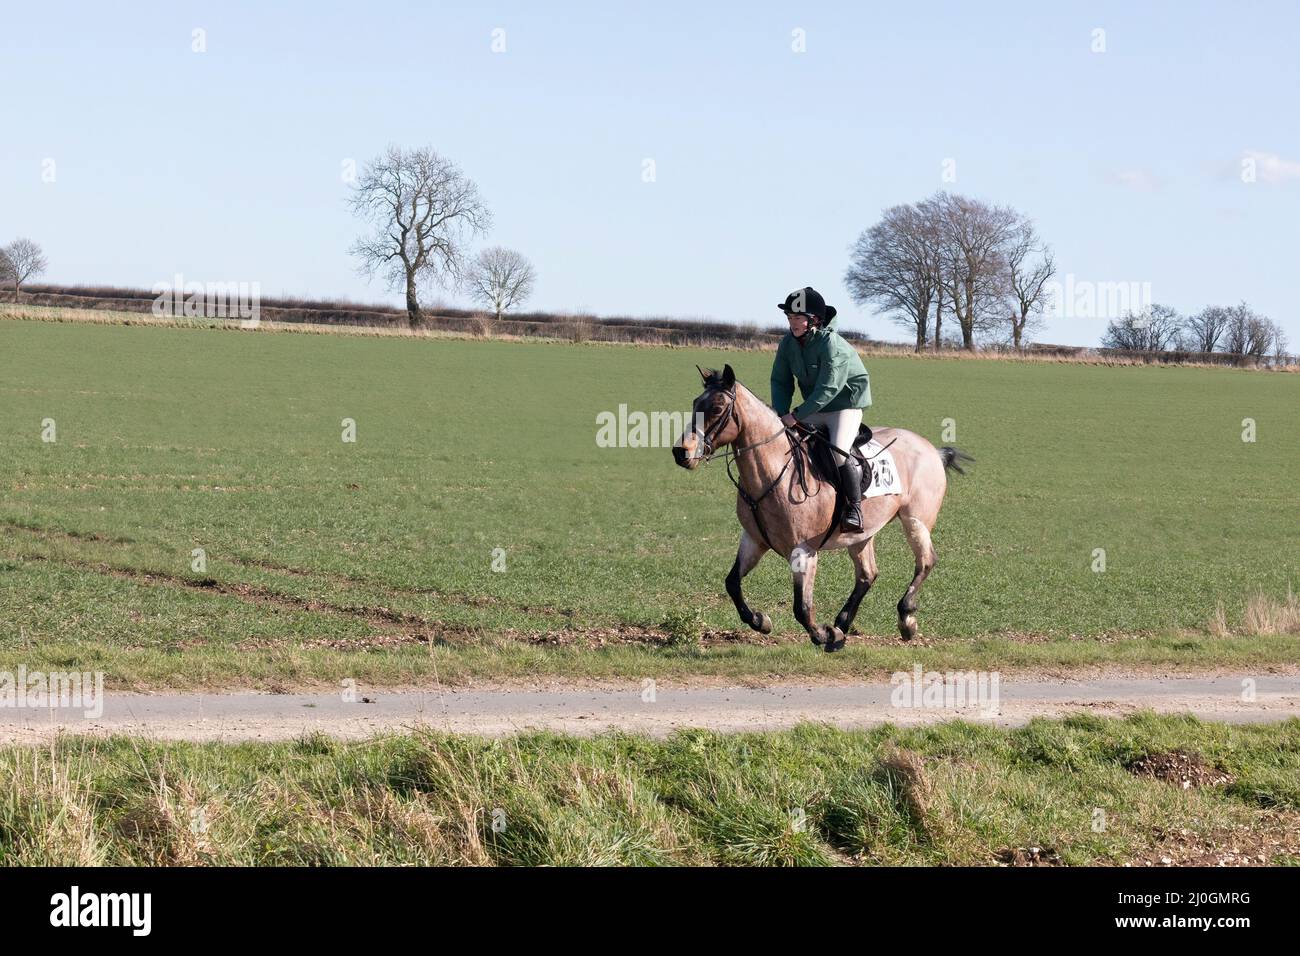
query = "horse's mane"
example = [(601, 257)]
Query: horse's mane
[(714, 380)]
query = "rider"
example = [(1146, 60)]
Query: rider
[(833, 382)]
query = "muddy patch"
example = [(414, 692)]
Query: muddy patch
[(1185, 770), (1277, 840), (1029, 856)]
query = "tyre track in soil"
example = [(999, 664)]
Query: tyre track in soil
[(390, 626), (271, 567), (501, 711)]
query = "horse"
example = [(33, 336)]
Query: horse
[(778, 511)]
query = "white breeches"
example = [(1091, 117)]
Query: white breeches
[(843, 425)]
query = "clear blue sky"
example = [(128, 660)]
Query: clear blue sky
[(225, 165)]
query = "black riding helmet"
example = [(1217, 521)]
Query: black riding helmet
[(808, 301)]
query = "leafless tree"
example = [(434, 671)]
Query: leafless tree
[(500, 279), (931, 213), (893, 265), (1204, 329), (1260, 339), (22, 259), (1155, 329), (975, 238), (1236, 335), (1249, 334), (1279, 344), (423, 210), (1124, 333), (951, 254), (1030, 267)]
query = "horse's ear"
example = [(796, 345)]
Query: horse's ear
[(705, 373), (728, 377)]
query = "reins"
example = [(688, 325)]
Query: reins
[(797, 456), (833, 447)]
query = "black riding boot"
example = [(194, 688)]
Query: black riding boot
[(851, 485)]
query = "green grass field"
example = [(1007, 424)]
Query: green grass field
[(375, 558), (951, 794)]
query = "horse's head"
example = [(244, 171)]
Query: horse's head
[(713, 419)]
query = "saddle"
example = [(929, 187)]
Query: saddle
[(823, 461)]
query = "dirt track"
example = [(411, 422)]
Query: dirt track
[(250, 716)]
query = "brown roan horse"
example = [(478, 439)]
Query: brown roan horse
[(784, 507)]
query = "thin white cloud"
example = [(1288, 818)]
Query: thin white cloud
[(1271, 168), (1142, 180)]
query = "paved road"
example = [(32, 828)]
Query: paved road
[(256, 716)]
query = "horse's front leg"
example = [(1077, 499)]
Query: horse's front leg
[(747, 556), (803, 563)]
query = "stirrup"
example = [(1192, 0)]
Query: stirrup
[(852, 518)]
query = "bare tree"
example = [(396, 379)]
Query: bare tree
[(975, 239), (953, 254), (1155, 329), (1259, 339), (22, 260), (6, 269), (931, 212), (1124, 333), (423, 210), (1248, 334), (500, 279), (893, 265), (1204, 329), (938, 308), (1030, 267), (1279, 344)]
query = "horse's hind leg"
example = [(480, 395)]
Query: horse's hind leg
[(864, 573), (803, 562), (747, 556), (918, 536)]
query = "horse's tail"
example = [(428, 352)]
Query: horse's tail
[(952, 459)]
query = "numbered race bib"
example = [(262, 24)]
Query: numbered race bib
[(884, 476)]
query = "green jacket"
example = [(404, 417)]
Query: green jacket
[(830, 373)]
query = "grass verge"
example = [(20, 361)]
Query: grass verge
[(1083, 790)]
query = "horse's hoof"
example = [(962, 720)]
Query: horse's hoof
[(907, 627), (816, 636), (834, 639), (762, 623)]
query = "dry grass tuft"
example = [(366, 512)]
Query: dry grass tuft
[(1263, 616), (906, 770), (1266, 616), (47, 811)]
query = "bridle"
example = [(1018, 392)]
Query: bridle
[(798, 456), (709, 436), (732, 454)]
